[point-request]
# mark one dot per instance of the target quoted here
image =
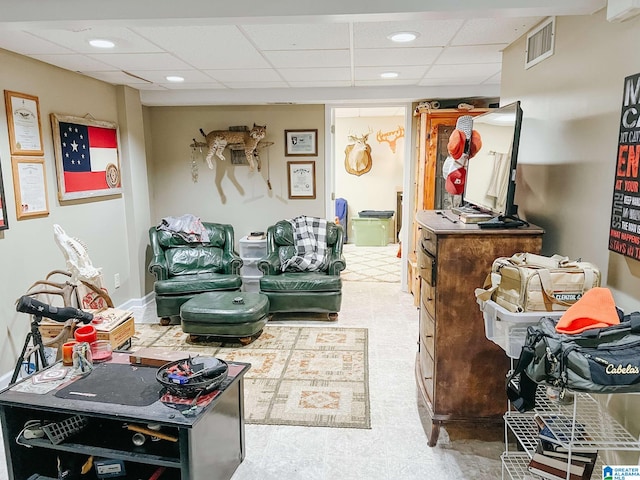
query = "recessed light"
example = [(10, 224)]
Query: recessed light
[(403, 37), (174, 78), (389, 75), (101, 43)]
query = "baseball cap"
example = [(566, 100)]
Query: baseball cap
[(455, 181)]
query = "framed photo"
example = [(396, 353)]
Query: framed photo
[(23, 120), (4, 222), (30, 186), (301, 178), (301, 143), (87, 157)]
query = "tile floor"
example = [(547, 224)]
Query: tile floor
[(396, 445)]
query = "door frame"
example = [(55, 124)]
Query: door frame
[(331, 160)]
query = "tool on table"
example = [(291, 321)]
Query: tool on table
[(444, 215)]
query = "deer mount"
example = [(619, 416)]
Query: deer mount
[(357, 160), (390, 137)]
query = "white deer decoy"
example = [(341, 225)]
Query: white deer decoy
[(390, 137), (357, 159)]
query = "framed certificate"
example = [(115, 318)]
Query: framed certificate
[(301, 179), (23, 120), (30, 187), (300, 143)]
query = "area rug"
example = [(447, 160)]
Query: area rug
[(371, 264), (309, 376)]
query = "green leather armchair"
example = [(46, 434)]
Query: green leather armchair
[(184, 269), (292, 291)]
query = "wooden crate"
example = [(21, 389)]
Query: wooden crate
[(116, 333)]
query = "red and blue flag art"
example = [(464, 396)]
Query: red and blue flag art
[(88, 158)]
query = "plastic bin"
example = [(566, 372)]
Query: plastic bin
[(376, 213), (252, 248), (251, 284), (372, 232), (508, 329), (250, 268)]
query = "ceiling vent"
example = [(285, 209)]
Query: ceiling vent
[(540, 42)]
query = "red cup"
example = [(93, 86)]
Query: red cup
[(86, 333), (67, 353)]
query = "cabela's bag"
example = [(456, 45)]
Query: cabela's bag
[(598, 360), (527, 282)]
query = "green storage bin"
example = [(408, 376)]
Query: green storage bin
[(372, 232)]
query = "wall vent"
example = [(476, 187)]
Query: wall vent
[(540, 42)]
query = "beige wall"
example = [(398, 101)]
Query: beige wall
[(376, 189), (229, 193), (572, 104), (109, 228)]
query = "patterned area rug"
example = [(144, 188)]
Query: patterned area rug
[(371, 264), (309, 376)]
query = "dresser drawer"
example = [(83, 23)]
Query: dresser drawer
[(429, 241), (426, 370), (427, 266), (428, 295)]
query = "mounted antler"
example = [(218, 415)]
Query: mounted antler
[(390, 137)]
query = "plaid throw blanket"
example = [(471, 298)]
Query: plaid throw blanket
[(310, 239)]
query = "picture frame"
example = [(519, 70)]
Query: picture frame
[(301, 143), (301, 179), (4, 221), (24, 123), (30, 186), (87, 155)]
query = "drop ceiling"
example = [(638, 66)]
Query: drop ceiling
[(280, 51)]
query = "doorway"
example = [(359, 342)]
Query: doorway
[(386, 129)]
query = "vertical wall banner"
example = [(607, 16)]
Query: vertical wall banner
[(87, 158), (624, 231)]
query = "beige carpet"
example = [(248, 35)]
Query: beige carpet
[(371, 264), (309, 376)]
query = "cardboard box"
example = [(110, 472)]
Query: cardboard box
[(156, 356)]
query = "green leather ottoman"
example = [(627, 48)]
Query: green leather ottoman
[(229, 315)]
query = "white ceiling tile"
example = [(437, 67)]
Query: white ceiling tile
[(468, 80), (316, 36), (494, 30), (207, 47), (159, 76), (447, 71), (472, 54), (432, 33), (27, 44), (192, 86), (150, 86), (494, 80), (404, 72), (369, 57), (321, 84), (245, 75), (78, 39), (142, 61), (75, 63), (256, 84), (313, 74), (308, 58), (117, 78), (384, 82)]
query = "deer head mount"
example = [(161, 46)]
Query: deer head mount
[(357, 159), (390, 137)]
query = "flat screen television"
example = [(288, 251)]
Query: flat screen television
[(490, 184)]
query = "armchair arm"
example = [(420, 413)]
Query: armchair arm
[(158, 264), (270, 265), (231, 262), (336, 263)]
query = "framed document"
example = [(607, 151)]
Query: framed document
[(300, 143), (301, 179), (4, 223), (30, 186), (23, 120), (87, 157)]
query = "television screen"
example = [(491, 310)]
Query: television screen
[(490, 183)]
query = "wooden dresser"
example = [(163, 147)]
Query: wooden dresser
[(461, 374)]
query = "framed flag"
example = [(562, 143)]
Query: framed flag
[(87, 157)]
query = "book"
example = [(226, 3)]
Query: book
[(475, 217), (556, 469)]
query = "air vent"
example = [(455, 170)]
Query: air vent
[(540, 42)]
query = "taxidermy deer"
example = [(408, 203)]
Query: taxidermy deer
[(390, 137), (218, 140), (357, 160)]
